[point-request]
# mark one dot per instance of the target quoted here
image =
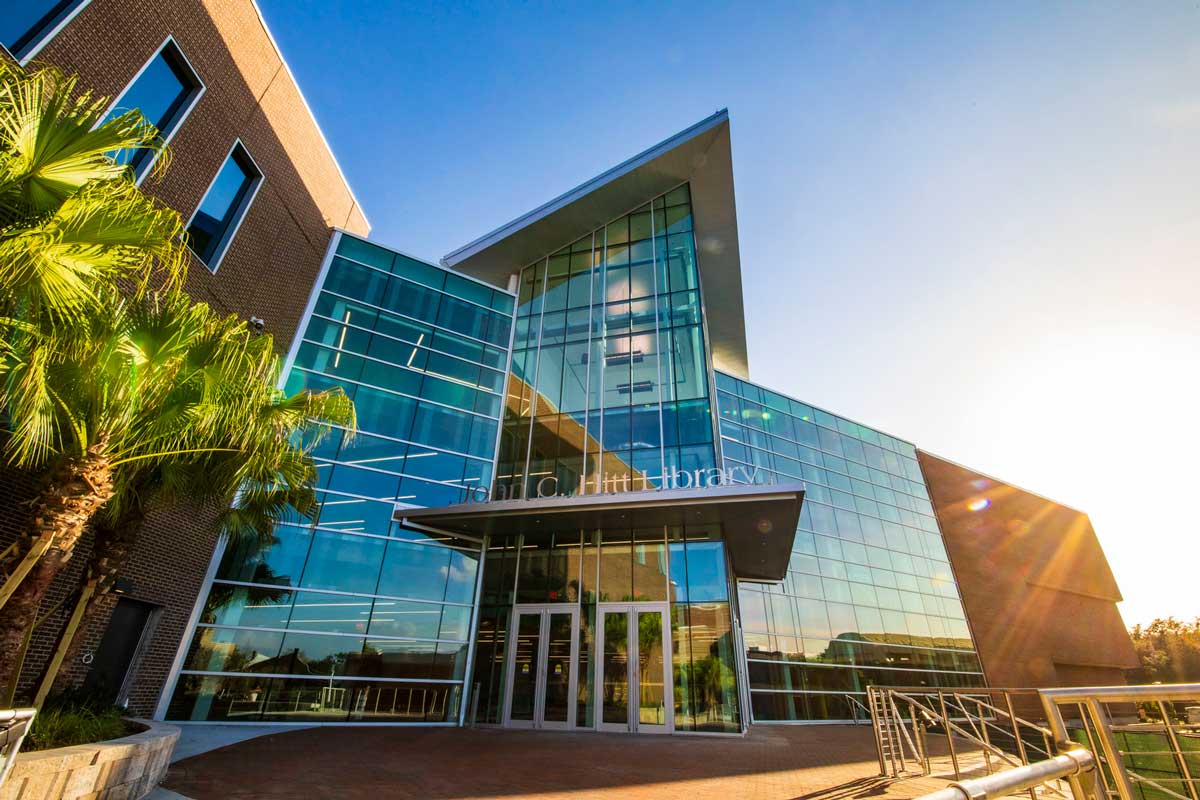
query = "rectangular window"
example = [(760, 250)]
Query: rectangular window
[(27, 25), (164, 91), (224, 205)]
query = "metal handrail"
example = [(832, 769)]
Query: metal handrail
[(1106, 773), (854, 701), (14, 724), (1078, 764), (1099, 729)]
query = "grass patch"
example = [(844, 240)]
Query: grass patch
[(70, 724), (1147, 753)]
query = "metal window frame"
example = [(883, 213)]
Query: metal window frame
[(197, 91), (634, 609), (543, 611), (414, 281), (402, 315), (389, 337), (45, 36), (243, 210)]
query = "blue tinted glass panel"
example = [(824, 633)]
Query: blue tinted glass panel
[(160, 94), (223, 206), (427, 437), (861, 586), (23, 23)]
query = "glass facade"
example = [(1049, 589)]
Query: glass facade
[(609, 387), (869, 596), (594, 378), (681, 568), (351, 617)]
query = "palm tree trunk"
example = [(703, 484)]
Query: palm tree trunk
[(75, 492), (113, 544)]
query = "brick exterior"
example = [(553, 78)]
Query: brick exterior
[(268, 270), (1038, 592)]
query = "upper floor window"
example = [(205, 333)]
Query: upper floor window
[(223, 207), (26, 25), (164, 91)]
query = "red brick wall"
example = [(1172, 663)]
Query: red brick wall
[(249, 95), (1038, 592), (268, 270)]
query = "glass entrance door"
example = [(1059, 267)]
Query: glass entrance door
[(633, 673), (541, 667)]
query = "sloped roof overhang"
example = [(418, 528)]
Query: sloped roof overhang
[(758, 522), (700, 155)]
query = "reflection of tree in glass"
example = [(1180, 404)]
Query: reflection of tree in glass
[(222, 595)]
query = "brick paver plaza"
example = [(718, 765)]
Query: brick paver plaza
[(771, 763)]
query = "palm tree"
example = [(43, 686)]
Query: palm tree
[(72, 224), (146, 400), (71, 220)]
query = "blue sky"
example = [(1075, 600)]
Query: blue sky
[(979, 221)]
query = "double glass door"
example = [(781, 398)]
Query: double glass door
[(634, 668), (541, 667)]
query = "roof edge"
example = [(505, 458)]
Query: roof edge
[(588, 186), (300, 91)]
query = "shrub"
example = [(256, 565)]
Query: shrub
[(71, 724)]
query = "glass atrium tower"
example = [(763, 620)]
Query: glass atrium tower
[(567, 507)]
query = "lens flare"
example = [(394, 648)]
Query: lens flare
[(978, 504)]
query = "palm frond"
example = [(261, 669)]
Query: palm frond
[(54, 144)]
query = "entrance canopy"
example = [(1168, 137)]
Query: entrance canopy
[(758, 522)]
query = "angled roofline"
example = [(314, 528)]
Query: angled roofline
[(701, 156), (262, 20), (585, 188)]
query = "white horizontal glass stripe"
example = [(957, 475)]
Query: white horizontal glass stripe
[(406, 368), (382, 335), (860, 666), (369, 468), (307, 632), (336, 593), (429, 542), (433, 325), (340, 379), (417, 444), (433, 288), (325, 678)]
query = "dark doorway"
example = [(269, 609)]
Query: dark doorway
[(114, 657)]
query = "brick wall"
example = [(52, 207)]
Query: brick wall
[(1038, 592), (268, 270)]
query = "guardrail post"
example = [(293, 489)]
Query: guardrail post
[(1012, 717), (1112, 753), (1180, 759), (949, 735)]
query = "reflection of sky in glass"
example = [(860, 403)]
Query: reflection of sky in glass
[(19, 18), (158, 93), (224, 190), (154, 94)]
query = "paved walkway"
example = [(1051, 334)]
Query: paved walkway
[(197, 739), (772, 763)]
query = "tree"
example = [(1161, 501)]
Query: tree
[(71, 220), (1169, 650), (121, 399), (152, 399)]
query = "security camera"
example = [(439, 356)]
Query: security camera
[(257, 324)]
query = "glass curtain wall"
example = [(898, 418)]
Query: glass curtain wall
[(348, 616), (682, 566), (608, 388), (869, 597)]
